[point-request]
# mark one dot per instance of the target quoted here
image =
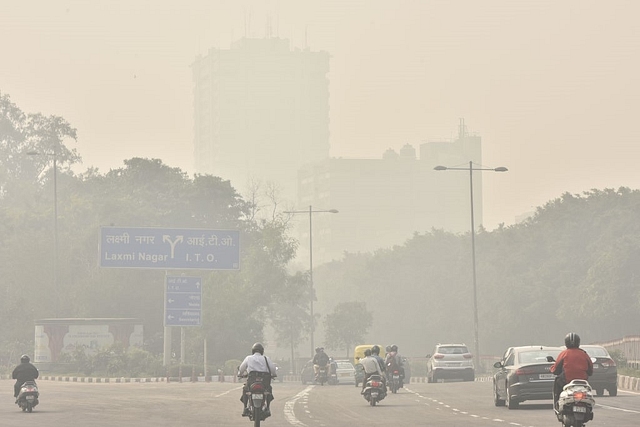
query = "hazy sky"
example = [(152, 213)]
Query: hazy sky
[(553, 87)]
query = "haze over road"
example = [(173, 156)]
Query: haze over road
[(216, 404)]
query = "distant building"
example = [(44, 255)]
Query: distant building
[(384, 202), (261, 111)]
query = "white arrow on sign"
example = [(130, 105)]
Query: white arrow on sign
[(170, 317), (170, 300)]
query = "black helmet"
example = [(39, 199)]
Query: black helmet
[(257, 348), (394, 348), (367, 352), (572, 340), (387, 348), (318, 349), (375, 349), (24, 358)]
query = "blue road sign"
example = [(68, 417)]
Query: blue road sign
[(169, 248), (183, 302)]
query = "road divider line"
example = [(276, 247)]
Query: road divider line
[(228, 391), (289, 406)]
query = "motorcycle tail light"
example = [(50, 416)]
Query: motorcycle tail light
[(579, 395), (256, 387), (375, 384)]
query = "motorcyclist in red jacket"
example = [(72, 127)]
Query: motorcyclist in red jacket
[(572, 364)]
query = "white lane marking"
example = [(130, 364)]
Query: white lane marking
[(228, 391), (289, 413), (631, 411)]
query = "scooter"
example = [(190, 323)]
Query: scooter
[(28, 397), (394, 382), (575, 405), (374, 390), (322, 377)]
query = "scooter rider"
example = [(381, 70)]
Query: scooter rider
[(319, 360), (394, 361), (24, 372), (257, 365), (370, 366), (572, 364), (375, 352)]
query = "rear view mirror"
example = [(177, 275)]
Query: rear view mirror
[(497, 365), (550, 359)]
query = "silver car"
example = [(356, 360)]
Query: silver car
[(450, 361)]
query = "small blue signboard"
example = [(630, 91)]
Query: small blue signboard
[(183, 302), (169, 248)]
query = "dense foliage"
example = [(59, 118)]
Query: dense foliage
[(573, 266)]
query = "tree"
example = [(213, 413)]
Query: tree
[(347, 325)]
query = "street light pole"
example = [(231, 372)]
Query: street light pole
[(313, 294), (54, 154), (476, 340)]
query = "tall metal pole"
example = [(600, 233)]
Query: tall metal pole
[(313, 294), (55, 233), (473, 261)]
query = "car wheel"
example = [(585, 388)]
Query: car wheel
[(613, 390), (496, 397), (511, 404), (599, 391)]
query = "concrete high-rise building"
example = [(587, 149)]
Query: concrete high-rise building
[(384, 202), (261, 111)]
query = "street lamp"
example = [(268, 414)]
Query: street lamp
[(53, 154), (473, 245), (313, 295)]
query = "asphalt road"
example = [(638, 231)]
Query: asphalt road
[(452, 404)]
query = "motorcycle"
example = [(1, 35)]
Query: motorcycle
[(322, 376), (374, 390), (575, 405), (257, 398), (28, 397), (394, 381)]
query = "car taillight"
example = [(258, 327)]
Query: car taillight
[(396, 372), (579, 395), (438, 356), (525, 371), (608, 363), (468, 356)]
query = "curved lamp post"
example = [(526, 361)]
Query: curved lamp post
[(471, 169), (310, 211)]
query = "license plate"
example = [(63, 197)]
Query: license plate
[(396, 377), (546, 376), (596, 366), (258, 396), (579, 409)]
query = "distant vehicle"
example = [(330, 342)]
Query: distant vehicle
[(346, 372), (307, 375), (450, 361), (358, 351), (605, 371), (524, 374)]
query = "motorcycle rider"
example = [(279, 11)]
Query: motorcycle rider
[(24, 372), (572, 364), (320, 360), (257, 365), (371, 366), (394, 362)]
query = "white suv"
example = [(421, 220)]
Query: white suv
[(450, 361)]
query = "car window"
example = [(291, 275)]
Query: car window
[(533, 356), (453, 350), (596, 351), (344, 365), (510, 360)]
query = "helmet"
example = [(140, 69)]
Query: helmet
[(387, 348), (367, 352), (24, 358), (318, 349), (572, 340), (394, 348), (257, 348), (375, 349)]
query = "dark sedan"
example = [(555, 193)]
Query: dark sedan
[(524, 374), (605, 371)]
